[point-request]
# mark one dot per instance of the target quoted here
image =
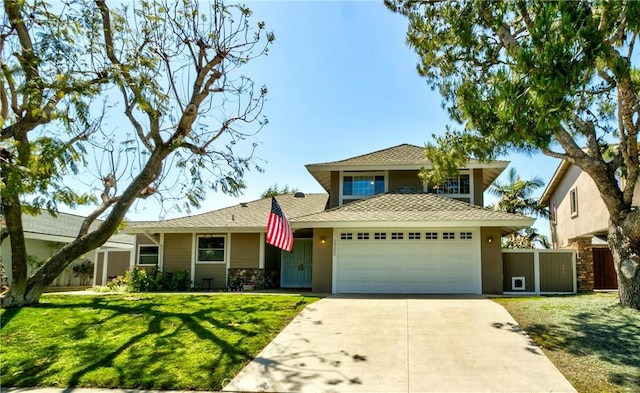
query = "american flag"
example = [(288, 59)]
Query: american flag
[(279, 231)]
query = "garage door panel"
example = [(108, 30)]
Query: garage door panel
[(407, 266)]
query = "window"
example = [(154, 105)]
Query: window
[(414, 235), (148, 255), (365, 185), (397, 235), (363, 236), (466, 236), (453, 186), (573, 200), (431, 236), (211, 249), (554, 210), (380, 236), (346, 236), (448, 235)]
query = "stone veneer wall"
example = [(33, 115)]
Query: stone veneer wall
[(237, 278), (584, 263)]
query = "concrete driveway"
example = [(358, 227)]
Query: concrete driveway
[(401, 344)]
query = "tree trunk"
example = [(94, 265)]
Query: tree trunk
[(625, 250)]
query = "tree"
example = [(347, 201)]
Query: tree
[(559, 78), (114, 105), (514, 197), (275, 191)]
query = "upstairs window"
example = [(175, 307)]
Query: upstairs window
[(573, 200), (457, 185), (362, 185)]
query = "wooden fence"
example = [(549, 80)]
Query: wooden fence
[(538, 272)]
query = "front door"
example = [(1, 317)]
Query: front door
[(296, 265)]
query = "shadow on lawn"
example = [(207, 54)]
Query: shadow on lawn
[(613, 338), (143, 356)]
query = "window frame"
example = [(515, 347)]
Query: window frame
[(224, 249), (573, 201), (157, 247), (553, 212), (440, 189), (349, 198)]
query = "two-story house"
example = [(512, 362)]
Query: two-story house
[(580, 220), (378, 229)]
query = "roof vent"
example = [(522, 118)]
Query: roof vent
[(299, 195), (243, 204)]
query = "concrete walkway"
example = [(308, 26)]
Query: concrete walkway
[(401, 344)]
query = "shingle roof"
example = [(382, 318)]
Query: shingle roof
[(64, 225), (400, 154), (250, 215), (400, 157), (423, 208)]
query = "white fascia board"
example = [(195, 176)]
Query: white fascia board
[(413, 224), (69, 239)]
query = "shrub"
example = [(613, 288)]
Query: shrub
[(138, 280), (83, 270)]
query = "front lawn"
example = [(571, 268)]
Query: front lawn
[(145, 341), (590, 338)]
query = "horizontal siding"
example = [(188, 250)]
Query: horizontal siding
[(404, 179), (177, 252), (215, 271), (518, 265), (556, 272), (245, 250)]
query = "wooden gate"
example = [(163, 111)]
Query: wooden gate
[(604, 273)]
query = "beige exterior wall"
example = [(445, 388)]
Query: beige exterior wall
[(217, 272), (401, 179), (245, 250), (478, 193), (334, 192), (592, 216), (519, 265), (321, 274), (491, 260), (177, 252)]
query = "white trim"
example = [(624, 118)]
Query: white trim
[(341, 197), (573, 200), (194, 253), (261, 252), (536, 271), (161, 253), (224, 250), (134, 253), (105, 262), (147, 264), (150, 237), (519, 223), (67, 239)]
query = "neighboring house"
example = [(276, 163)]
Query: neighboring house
[(377, 229), (45, 234), (580, 220)]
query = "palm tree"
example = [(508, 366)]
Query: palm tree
[(515, 196)]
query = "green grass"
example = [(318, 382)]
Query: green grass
[(145, 341), (591, 339)]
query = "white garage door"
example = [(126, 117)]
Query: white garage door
[(411, 261)]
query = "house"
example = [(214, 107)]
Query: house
[(580, 220), (376, 229), (45, 234)]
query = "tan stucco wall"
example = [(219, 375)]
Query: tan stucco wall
[(177, 252), (400, 179), (491, 257), (321, 275), (592, 214), (245, 250)]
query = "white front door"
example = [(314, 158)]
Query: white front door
[(296, 265), (408, 261)]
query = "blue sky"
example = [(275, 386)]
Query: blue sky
[(342, 82)]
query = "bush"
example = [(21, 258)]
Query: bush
[(138, 280), (83, 270)]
